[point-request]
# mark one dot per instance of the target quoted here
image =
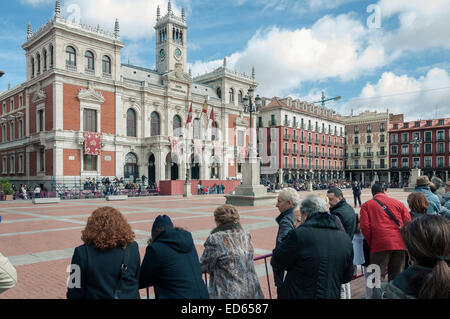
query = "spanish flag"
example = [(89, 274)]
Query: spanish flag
[(189, 117), (205, 108)]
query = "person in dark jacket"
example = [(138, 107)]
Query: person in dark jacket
[(287, 201), (317, 255), (356, 188), (340, 208), (97, 265), (171, 263), (346, 214)]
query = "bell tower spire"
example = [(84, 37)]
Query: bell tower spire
[(57, 9)]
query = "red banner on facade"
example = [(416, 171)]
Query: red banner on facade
[(92, 143)]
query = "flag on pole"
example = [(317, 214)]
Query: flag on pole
[(211, 117), (189, 117), (205, 108)]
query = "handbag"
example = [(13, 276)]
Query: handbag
[(387, 212), (123, 269)]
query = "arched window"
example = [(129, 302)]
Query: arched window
[(231, 95), (240, 97), (44, 53), (106, 65), (155, 124), (131, 165), (38, 59), (71, 58), (51, 56), (197, 128), (89, 61), (32, 67), (131, 123), (177, 126)]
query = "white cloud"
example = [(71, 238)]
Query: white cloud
[(136, 17), (36, 2), (422, 24), (414, 97), (334, 47)]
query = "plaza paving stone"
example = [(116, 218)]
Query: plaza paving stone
[(39, 239)]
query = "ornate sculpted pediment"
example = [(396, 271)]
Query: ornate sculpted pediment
[(241, 121), (39, 97), (90, 95)]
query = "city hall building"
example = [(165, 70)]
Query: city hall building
[(82, 113)]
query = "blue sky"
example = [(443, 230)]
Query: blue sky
[(377, 55)]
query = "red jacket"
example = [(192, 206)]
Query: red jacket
[(379, 230)]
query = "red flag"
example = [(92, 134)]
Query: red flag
[(189, 118), (211, 117), (92, 143)]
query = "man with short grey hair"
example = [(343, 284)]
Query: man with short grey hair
[(317, 255), (287, 201)]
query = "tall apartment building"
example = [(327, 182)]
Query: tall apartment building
[(367, 146), (298, 140), (82, 113), (423, 144)]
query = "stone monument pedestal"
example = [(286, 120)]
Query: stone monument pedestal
[(251, 192), (415, 173), (187, 190)]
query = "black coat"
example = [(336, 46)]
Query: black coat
[(318, 257), (347, 215), (100, 273), (172, 266), (356, 190)]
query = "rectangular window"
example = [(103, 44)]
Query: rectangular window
[(286, 160), (440, 135), (41, 120), (42, 160), (4, 108), (440, 162), (90, 162), (20, 129), (394, 138), (21, 166), (428, 137), (369, 139), (394, 163), (394, 149), (382, 138), (20, 101), (356, 140), (12, 106), (12, 164), (440, 148), (428, 148), (4, 165), (428, 161), (405, 149), (90, 120), (3, 133), (11, 131), (405, 162), (405, 137)]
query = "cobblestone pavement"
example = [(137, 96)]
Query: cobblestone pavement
[(39, 239)]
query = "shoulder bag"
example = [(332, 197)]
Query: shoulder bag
[(387, 212), (123, 269)]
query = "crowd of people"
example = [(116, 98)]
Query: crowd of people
[(302, 184), (319, 243)]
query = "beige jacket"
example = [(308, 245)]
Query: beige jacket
[(8, 274)]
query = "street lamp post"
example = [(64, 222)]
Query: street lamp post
[(310, 156), (251, 106), (416, 142), (415, 172)]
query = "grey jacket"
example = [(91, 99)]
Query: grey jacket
[(8, 274), (285, 224)]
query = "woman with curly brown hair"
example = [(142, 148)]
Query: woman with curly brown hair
[(108, 264), (228, 258)]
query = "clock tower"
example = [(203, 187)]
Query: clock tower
[(171, 40)]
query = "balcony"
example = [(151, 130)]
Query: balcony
[(405, 153), (287, 123), (295, 124), (286, 151), (356, 155), (71, 67), (272, 123), (107, 76), (379, 166), (368, 154), (381, 154), (294, 152), (287, 137), (440, 150), (89, 72), (302, 153), (316, 142)]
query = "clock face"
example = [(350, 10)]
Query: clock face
[(162, 54), (178, 53)]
